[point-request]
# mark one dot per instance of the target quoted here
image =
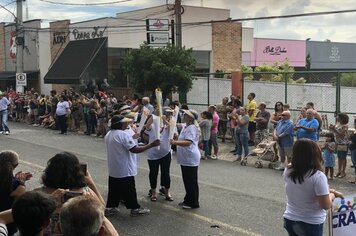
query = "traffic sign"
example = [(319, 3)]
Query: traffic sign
[(157, 38), (21, 79)]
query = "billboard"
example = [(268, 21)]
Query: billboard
[(330, 55), (269, 51)]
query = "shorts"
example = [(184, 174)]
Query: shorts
[(222, 126), (251, 127), (214, 140)]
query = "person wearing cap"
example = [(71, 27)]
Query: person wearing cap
[(159, 157), (188, 156), (261, 120), (122, 165)]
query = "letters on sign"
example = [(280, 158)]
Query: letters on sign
[(274, 50), (95, 33), (59, 38)]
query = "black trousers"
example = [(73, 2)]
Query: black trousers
[(190, 179), (165, 164), (122, 189), (62, 121)]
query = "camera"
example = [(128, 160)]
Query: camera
[(70, 194)]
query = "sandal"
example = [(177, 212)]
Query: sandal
[(337, 175), (169, 198), (342, 176), (153, 198), (352, 182)]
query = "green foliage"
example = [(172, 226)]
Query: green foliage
[(169, 68), (219, 74), (348, 79), (247, 72)]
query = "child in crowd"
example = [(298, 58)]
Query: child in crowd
[(286, 107), (205, 126), (328, 155)]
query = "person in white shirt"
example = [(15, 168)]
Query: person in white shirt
[(159, 157), (308, 194), (62, 113), (122, 166), (188, 156), (4, 103)]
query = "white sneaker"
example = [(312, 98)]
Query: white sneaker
[(7, 132), (1, 132), (282, 166), (214, 157)]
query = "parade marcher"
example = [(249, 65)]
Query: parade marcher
[(122, 165), (4, 105), (262, 119), (159, 157), (307, 190), (188, 157), (341, 138), (284, 135), (62, 113)]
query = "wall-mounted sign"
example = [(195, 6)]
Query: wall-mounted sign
[(157, 25), (334, 55), (278, 50), (21, 79), (59, 38), (157, 38), (96, 32)]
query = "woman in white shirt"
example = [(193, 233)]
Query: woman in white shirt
[(188, 156), (62, 113), (308, 194)]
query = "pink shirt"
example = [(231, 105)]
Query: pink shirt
[(214, 127)]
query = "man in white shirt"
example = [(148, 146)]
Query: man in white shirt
[(4, 103), (122, 165)]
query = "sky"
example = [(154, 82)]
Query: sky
[(336, 28)]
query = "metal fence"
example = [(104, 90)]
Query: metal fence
[(331, 92)]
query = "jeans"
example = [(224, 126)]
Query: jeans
[(298, 228), (3, 123), (353, 159), (242, 142), (206, 147), (62, 121)]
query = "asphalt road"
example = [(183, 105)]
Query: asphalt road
[(234, 199)]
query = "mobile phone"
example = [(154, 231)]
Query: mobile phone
[(70, 194), (84, 168)]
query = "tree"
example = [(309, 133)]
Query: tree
[(169, 68)]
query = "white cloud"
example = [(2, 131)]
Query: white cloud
[(334, 27)]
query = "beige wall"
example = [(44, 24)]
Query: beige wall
[(2, 47), (226, 44)]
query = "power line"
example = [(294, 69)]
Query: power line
[(85, 4)]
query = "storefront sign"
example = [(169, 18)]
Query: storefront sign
[(334, 56), (59, 38), (96, 32), (269, 51), (157, 25), (344, 216), (274, 50), (157, 38)]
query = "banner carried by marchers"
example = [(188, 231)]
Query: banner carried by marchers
[(343, 219)]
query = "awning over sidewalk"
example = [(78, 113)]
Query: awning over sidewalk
[(79, 59), (11, 75)]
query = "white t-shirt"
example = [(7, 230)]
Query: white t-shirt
[(190, 155), (3, 230), (131, 132), (61, 108), (156, 153), (302, 201), (121, 162)]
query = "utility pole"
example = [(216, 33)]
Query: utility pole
[(178, 13), (19, 42)]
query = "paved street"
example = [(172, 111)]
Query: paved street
[(235, 200)]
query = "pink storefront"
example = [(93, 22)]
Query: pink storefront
[(269, 51)]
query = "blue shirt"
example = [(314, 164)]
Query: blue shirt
[(285, 132), (311, 123), (4, 102)]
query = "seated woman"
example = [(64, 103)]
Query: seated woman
[(11, 187), (63, 171)]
